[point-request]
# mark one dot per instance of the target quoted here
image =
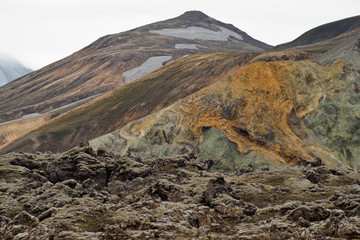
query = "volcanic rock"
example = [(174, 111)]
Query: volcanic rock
[(170, 198)]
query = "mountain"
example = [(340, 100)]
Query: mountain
[(325, 32), (11, 69), (219, 145), (265, 114), (274, 115), (116, 59)]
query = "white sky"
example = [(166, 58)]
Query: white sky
[(39, 32)]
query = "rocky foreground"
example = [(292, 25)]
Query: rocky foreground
[(81, 194)]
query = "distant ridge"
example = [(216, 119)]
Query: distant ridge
[(193, 16), (10, 69), (323, 32)]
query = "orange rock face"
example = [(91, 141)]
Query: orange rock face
[(259, 108)]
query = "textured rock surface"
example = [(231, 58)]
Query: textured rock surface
[(336, 122), (81, 194)]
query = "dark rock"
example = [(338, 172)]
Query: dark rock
[(84, 143), (48, 213), (61, 169), (165, 191), (244, 170), (190, 156), (288, 206), (89, 184), (303, 162), (89, 151), (312, 177), (215, 187), (303, 223), (316, 213), (322, 170), (101, 153), (129, 169), (25, 162), (70, 183), (336, 172), (204, 164), (249, 209), (82, 173)]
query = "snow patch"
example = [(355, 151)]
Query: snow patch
[(186, 46), (199, 33), (150, 65)]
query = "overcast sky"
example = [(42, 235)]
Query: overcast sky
[(39, 32)]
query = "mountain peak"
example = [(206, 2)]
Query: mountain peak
[(193, 16)]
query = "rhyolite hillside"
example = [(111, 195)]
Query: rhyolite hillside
[(264, 114)]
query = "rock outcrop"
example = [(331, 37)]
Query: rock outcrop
[(266, 114), (83, 194)]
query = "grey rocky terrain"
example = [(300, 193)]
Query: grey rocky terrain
[(82, 194)]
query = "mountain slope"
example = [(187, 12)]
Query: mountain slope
[(252, 117), (11, 69), (265, 114), (135, 100), (323, 33), (100, 66)]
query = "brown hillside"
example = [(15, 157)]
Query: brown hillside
[(98, 68), (323, 33), (133, 101)]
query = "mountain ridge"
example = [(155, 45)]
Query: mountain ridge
[(323, 32), (98, 67), (11, 69)]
